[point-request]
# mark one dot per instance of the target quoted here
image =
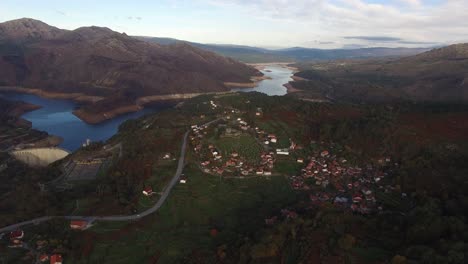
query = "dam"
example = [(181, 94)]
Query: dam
[(39, 157)]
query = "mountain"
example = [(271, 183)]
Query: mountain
[(27, 29), (106, 68), (245, 54), (253, 54), (439, 75)]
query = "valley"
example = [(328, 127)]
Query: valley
[(327, 132), (335, 163)]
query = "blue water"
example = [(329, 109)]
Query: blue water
[(56, 118), (279, 76)]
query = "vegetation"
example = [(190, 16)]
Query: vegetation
[(263, 220), (434, 76)]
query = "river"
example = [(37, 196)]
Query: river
[(278, 76), (56, 117)]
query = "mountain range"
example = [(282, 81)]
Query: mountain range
[(439, 75), (256, 55), (108, 69)]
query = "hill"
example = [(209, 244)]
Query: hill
[(256, 55), (107, 69), (437, 75)]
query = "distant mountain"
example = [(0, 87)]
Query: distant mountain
[(439, 75), (253, 54), (108, 68)]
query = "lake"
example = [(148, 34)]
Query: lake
[(278, 75), (56, 117)]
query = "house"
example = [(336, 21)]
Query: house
[(282, 151), (267, 173), (56, 259), (43, 258), (16, 235), (183, 181), (300, 160), (259, 171), (79, 225), (273, 140), (148, 191), (325, 153)]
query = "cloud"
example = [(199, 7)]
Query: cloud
[(60, 12), (374, 38), (354, 46), (398, 22), (326, 42)]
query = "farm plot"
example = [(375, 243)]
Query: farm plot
[(245, 145)]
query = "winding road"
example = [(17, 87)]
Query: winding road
[(116, 218)]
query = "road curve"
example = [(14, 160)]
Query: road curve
[(138, 216)]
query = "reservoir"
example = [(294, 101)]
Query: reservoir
[(56, 116), (278, 76)]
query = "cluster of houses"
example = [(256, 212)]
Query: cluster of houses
[(331, 180), (214, 162), (16, 241)]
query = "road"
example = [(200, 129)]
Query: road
[(159, 203)]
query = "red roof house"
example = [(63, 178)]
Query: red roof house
[(17, 234), (79, 224), (43, 258), (148, 191), (56, 259)]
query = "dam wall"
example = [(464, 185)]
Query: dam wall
[(39, 157)]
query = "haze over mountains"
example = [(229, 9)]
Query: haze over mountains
[(254, 54)]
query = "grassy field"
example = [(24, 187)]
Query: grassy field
[(181, 228), (245, 145)]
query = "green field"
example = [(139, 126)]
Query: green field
[(234, 207), (245, 145)]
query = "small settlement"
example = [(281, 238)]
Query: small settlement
[(233, 164), (17, 237), (327, 177)]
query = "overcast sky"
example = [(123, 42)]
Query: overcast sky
[(266, 23)]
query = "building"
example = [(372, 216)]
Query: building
[(43, 258), (79, 224), (148, 191), (17, 235), (282, 151), (56, 259)]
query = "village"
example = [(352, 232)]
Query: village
[(235, 146), (259, 159), (327, 177)]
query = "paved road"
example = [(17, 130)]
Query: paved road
[(151, 210)]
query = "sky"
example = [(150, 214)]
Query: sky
[(265, 23)]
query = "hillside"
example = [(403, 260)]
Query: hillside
[(256, 55), (437, 75), (106, 68)]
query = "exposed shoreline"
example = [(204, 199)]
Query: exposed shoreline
[(77, 97), (96, 118)]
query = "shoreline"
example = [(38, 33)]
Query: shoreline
[(135, 106), (77, 97)]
